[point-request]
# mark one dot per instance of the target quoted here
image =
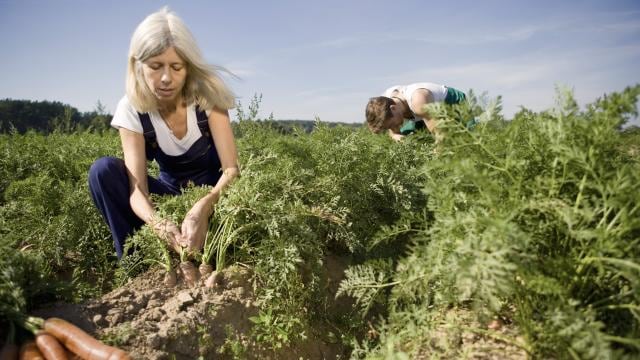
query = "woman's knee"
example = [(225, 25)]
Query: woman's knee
[(106, 167)]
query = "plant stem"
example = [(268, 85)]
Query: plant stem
[(622, 340), (581, 187)]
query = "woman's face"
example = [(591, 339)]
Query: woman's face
[(165, 74)]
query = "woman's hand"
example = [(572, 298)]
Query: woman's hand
[(168, 231), (196, 222)]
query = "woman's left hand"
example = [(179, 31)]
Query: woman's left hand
[(196, 222)]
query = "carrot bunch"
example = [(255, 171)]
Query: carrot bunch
[(58, 339)]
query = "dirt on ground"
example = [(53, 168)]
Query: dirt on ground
[(153, 321)]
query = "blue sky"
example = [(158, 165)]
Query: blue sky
[(326, 58)]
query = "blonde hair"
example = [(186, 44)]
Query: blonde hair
[(156, 33)]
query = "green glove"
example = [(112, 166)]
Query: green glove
[(454, 96), (409, 127)]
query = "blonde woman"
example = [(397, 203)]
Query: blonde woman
[(176, 112)]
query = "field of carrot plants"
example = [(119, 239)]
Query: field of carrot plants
[(517, 239)]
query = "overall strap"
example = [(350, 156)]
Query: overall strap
[(148, 131), (203, 123)]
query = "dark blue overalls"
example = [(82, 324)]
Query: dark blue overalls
[(109, 182)]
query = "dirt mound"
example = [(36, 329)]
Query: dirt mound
[(153, 321)]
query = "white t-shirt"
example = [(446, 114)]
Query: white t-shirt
[(439, 91), (127, 117)]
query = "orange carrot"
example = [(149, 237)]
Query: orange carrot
[(29, 351), (72, 356), (205, 269), (50, 347), (189, 272), (81, 343)]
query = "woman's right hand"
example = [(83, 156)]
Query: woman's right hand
[(168, 231)]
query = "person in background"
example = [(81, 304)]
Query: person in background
[(175, 111), (400, 109)]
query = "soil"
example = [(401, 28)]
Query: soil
[(152, 321)]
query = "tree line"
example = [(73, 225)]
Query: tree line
[(48, 116)]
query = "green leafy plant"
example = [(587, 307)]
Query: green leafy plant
[(218, 241), (275, 330), (533, 220), (539, 215)]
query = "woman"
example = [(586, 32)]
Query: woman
[(176, 112)]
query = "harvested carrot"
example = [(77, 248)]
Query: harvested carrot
[(189, 272), (50, 347), (205, 269), (29, 351), (81, 343)]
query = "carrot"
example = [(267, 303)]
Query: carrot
[(50, 347), (190, 273), (72, 356), (29, 351), (205, 269), (81, 343)]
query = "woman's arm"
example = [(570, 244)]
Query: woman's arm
[(195, 223), (135, 161), (220, 126), (420, 98)]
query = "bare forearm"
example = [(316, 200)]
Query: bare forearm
[(142, 206), (228, 176)]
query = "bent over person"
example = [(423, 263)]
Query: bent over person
[(389, 111), (174, 111)]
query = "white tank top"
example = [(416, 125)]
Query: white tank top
[(439, 92)]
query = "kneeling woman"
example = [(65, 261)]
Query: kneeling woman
[(176, 112)]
